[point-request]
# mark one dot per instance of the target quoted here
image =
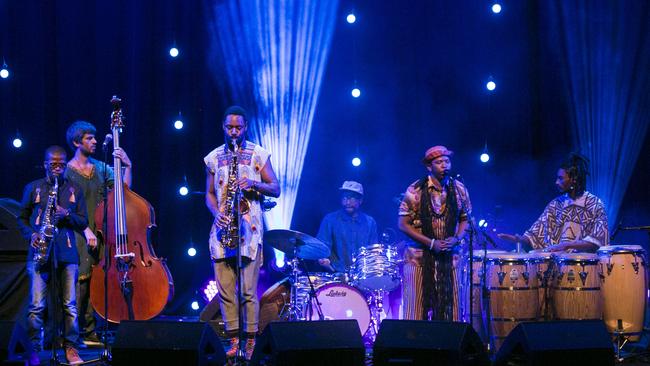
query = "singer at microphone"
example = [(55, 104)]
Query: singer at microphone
[(434, 215)]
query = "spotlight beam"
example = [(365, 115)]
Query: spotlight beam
[(275, 61)]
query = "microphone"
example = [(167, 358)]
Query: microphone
[(107, 140), (616, 230)]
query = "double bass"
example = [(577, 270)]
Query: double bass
[(138, 284)]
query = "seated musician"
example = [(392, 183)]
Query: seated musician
[(575, 220), (346, 230)]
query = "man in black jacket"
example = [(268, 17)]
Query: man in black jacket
[(65, 214)]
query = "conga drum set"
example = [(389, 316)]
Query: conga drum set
[(357, 294), (610, 285)]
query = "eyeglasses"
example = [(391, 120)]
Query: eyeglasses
[(56, 165)]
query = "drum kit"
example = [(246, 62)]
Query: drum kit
[(508, 288), (357, 294), (610, 285)]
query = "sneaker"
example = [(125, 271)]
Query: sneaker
[(233, 348), (249, 348), (92, 339), (72, 356)]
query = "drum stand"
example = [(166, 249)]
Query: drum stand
[(376, 302), (293, 311)]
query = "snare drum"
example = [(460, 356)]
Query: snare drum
[(624, 288), (514, 292), (340, 301), (318, 279), (375, 267), (576, 286)]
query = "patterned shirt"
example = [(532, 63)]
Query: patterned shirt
[(251, 159), (565, 219), (410, 206), (345, 234)]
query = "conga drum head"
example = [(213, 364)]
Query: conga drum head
[(478, 255), (611, 249), (576, 257)]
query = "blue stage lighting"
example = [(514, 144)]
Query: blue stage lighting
[(256, 73), (490, 85), (195, 305), (191, 251), (183, 190), (351, 18), (356, 93), (485, 157), (178, 124), (356, 161), (18, 143), (482, 223), (496, 8), (279, 261), (173, 52), (4, 73)]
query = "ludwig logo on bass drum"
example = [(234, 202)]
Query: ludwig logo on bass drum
[(336, 293)]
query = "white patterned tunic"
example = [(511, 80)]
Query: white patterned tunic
[(251, 159), (565, 219)]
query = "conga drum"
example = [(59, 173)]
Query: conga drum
[(623, 289), (544, 276), (514, 293), (478, 315), (576, 287)]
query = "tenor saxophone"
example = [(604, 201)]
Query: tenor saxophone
[(48, 229), (229, 235)]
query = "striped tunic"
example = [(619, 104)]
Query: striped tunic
[(412, 273)]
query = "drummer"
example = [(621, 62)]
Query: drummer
[(346, 230), (574, 220)]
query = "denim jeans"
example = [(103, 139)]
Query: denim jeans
[(40, 285)]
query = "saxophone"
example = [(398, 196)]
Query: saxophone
[(48, 230), (228, 236)]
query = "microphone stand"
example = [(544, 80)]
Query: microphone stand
[(473, 232), (240, 357)]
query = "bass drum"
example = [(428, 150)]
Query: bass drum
[(342, 302)]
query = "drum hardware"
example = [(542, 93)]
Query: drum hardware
[(299, 246), (583, 276), (502, 276)]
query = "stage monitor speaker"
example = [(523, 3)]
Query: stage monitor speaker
[(10, 238), (167, 343), (568, 342), (13, 340), (416, 342), (329, 342)]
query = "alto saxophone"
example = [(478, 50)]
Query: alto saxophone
[(47, 230), (229, 235)]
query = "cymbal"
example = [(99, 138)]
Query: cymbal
[(306, 246)]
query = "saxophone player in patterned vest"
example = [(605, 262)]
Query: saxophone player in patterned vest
[(68, 215), (253, 174)]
